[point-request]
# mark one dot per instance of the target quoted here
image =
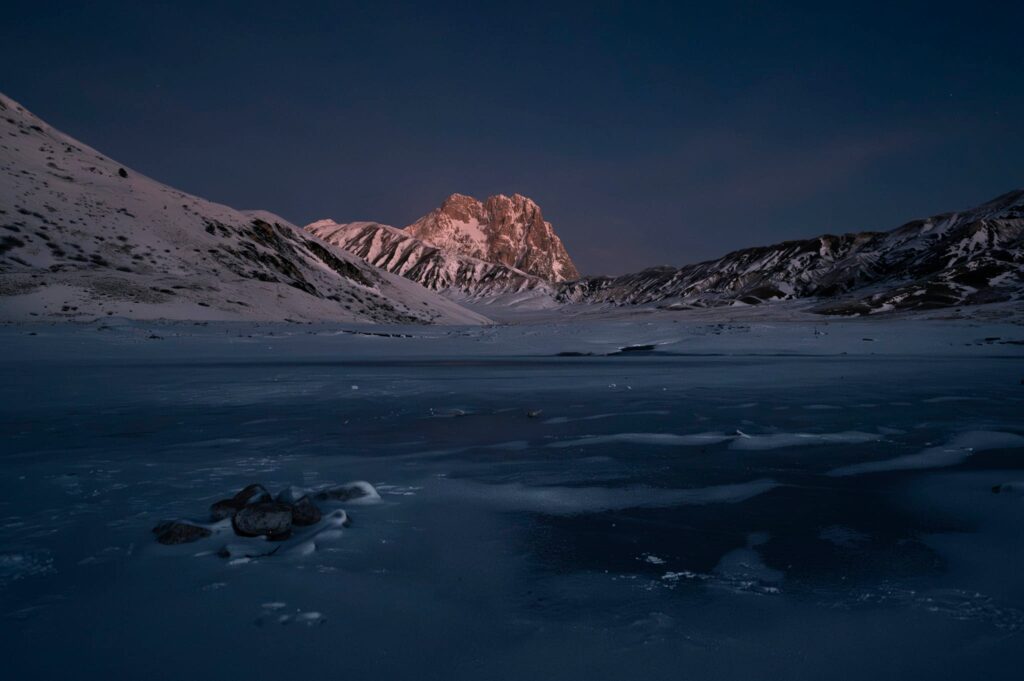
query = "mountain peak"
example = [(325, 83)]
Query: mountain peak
[(506, 230)]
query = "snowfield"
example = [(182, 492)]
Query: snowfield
[(645, 497)]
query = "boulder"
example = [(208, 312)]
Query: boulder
[(269, 519), (179, 532), (253, 494), (227, 508), (305, 512)]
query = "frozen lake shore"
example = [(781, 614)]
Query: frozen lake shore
[(603, 499)]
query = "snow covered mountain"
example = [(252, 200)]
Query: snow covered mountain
[(82, 237), (964, 258), (504, 230), (396, 251)]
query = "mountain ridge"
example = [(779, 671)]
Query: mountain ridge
[(962, 257), (965, 257), (82, 236), (396, 251)]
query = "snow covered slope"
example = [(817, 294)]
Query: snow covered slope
[(506, 230), (81, 237), (971, 257), (396, 251)]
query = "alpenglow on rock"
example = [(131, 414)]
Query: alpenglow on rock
[(506, 230)]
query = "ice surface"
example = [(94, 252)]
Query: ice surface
[(572, 500), (669, 516), (671, 439), (957, 450), (778, 440)]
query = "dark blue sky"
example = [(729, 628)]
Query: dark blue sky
[(650, 133)]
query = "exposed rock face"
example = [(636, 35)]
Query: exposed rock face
[(506, 230), (970, 257), (396, 251)]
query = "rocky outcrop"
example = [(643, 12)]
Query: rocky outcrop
[(505, 230)]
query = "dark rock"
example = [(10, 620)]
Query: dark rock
[(534, 413), (179, 532), (253, 494), (122, 172), (305, 512), (225, 508), (265, 519)]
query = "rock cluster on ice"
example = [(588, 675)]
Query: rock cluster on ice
[(255, 513)]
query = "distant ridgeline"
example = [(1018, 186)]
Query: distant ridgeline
[(82, 236), (479, 250)]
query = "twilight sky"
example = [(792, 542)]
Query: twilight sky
[(650, 133)]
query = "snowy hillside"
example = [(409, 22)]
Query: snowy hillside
[(971, 257), (82, 237), (506, 230), (396, 251)]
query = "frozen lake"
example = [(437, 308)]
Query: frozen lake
[(742, 501)]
